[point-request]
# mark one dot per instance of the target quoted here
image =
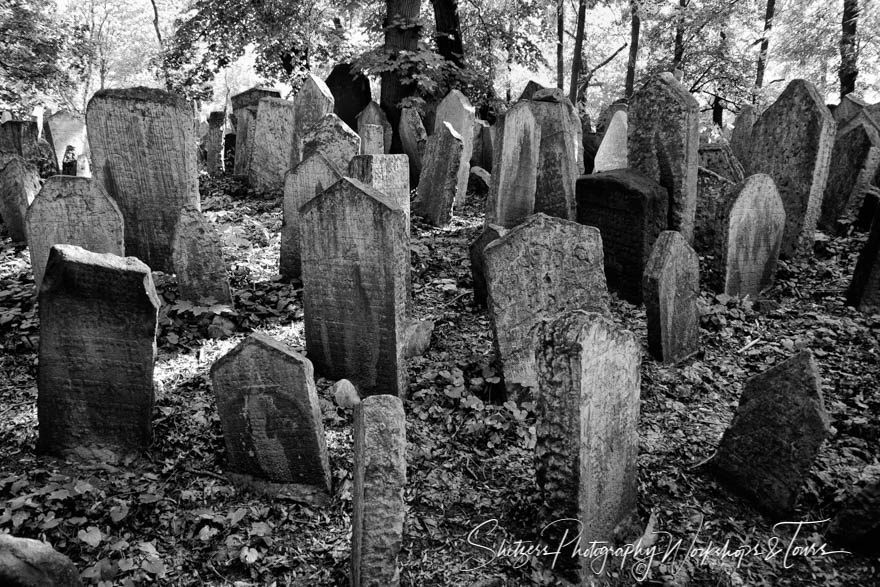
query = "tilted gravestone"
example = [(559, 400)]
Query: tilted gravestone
[(142, 147), (271, 420), (302, 183), (543, 267), (379, 481), (67, 130), (856, 161), (713, 193), (372, 139), (19, 185), (719, 157), (457, 110), (98, 320), (351, 92), (354, 277), (244, 108), (741, 137), (750, 228), (198, 259), (671, 288), (514, 177), (413, 139), (21, 137), (792, 143), (274, 145), (663, 144), (373, 114), (312, 103), (73, 211), (491, 232), (333, 139), (864, 290), (214, 143), (612, 150), (629, 209), (439, 180), (587, 416), (780, 424), (848, 108)]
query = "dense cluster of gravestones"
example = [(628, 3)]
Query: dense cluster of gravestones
[(556, 241)]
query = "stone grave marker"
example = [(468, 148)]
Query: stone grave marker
[(198, 259), (372, 139), (741, 137), (19, 185), (491, 232), (612, 150), (387, 173), (439, 179), (351, 92), (271, 420), (856, 158), (274, 147), (373, 114), (514, 177), (67, 130), (98, 320), (719, 157), (413, 139), (532, 87), (713, 193), (334, 139), (311, 104), (214, 143), (848, 108), (244, 109), (864, 290), (457, 110), (607, 115)]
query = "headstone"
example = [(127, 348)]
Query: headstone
[(629, 209), (780, 424), (587, 416), (663, 144), (274, 150), (612, 150), (345, 394), (372, 139), (607, 115), (19, 185), (73, 211), (312, 103), (491, 232), (214, 143), (481, 153), (198, 259), (514, 176), (413, 139), (719, 157), (67, 130), (857, 525), (864, 290), (713, 193), (856, 161), (529, 91), (142, 153), (271, 420), (373, 114), (849, 106), (25, 563), (351, 93), (457, 110), (354, 277), (439, 179), (541, 268), (302, 183), (379, 482), (792, 143), (387, 173), (479, 182), (244, 107), (671, 288), (98, 320), (333, 139), (741, 137), (19, 137)]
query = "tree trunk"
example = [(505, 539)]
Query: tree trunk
[(402, 32), (448, 27), (718, 112), (849, 69), (577, 59), (765, 42), (678, 52), (635, 27), (560, 45)]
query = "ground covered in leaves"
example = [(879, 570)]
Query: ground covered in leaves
[(172, 518)]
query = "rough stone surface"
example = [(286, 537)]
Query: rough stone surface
[(373, 114), (457, 110), (379, 482), (671, 288), (244, 110), (713, 193), (302, 183), (32, 563), (864, 290), (663, 144), (767, 451), (386, 173), (849, 106), (439, 180), (214, 143), (142, 147), (345, 394), (857, 525), (607, 115), (481, 154), (629, 209), (792, 143), (491, 232), (271, 420), (98, 320), (741, 137), (274, 147), (417, 337), (334, 139), (751, 225), (311, 104), (514, 177), (479, 181), (559, 152), (19, 185), (413, 139), (198, 259), (73, 211), (543, 267), (351, 92), (372, 139), (719, 157), (67, 130), (612, 150), (354, 286), (856, 160)]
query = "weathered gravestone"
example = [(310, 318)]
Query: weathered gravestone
[(67, 130), (214, 143), (607, 115), (750, 228), (271, 419), (274, 145), (792, 143), (413, 139), (587, 415), (848, 108), (457, 110), (354, 277), (857, 524), (629, 209), (532, 87), (864, 290), (543, 267), (671, 287), (198, 259), (30, 563), (869, 209), (98, 319), (741, 137), (514, 176), (713, 193), (612, 150), (491, 233), (21, 137), (19, 185), (373, 114), (312, 103), (333, 139), (73, 211), (142, 153), (856, 160), (379, 482), (719, 157), (780, 424), (244, 108), (302, 183), (387, 173), (351, 92), (439, 179), (372, 139)]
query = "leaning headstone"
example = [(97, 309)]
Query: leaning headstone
[(529, 91), (612, 149), (457, 110), (857, 525), (354, 277), (351, 93), (28, 563), (413, 139), (767, 451), (671, 288), (439, 179), (244, 107), (214, 143), (379, 482), (491, 232), (274, 148), (849, 106), (198, 259), (19, 185), (792, 143), (73, 211), (607, 116), (663, 144), (864, 290), (372, 139), (98, 320), (719, 157), (312, 103), (713, 193), (741, 137), (302, 183), (373, 114), (544, 266), (333, 139), (629, 209), (587, 438), (271, 420), (67, 130), (141, 143), (514, 176), (856, 158)]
